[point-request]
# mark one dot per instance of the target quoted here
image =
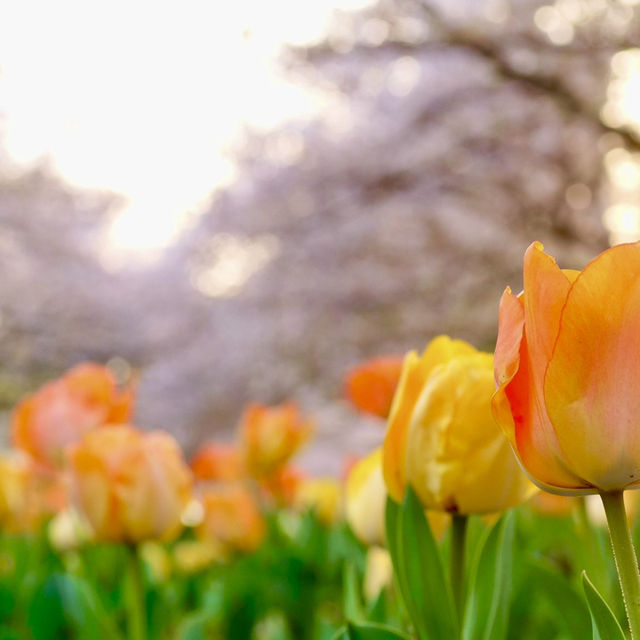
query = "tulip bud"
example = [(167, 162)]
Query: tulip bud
[(129, 485), (442, 439), (271, 435), (323, 496), (62, 411), (217, 462), (371, 385), (568, 375), (231, 517), (30, 494), (365, 499)]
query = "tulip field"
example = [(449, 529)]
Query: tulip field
[(498, 505)]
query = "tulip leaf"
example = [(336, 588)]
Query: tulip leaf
[(84, 610), (394, 543), (377, 609), (371, 631), (487, 611), (351, 601), (563, 596), (605, 624), (426, 591)]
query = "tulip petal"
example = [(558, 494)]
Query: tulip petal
[(592, 381), (546, 287), (415, 371), (518, 404), (453, 422)]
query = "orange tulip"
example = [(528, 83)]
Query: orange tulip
[(271, 435), (282, 486), (62, 411), (130, 486), (549, 504), (231, 517), (217, 462), (568, 374), (371, 385)]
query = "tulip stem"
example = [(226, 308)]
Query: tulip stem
[(457, 560), (136, 610), (625, 557)]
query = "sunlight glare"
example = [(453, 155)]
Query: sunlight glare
[(146, 99)]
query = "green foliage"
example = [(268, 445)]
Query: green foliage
[(605, 624), (487, 611), (419, 570), (306, 583)]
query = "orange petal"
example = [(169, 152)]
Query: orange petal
[(591, 385), (546, 288), (518, 403)]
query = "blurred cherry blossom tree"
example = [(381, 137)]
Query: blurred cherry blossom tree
[(455, 133)]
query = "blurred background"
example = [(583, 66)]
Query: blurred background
[(239, 201)]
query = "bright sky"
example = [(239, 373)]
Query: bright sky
[(142, 98)]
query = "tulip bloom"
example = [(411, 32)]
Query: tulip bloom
[(371, 385), (60, 413), (271, 435), (323, 496), (129, 485), (282, 486), (217, 462), (568, 375), (442, 439), (365, 502), (30, 494), (231, 517), (365, 499)]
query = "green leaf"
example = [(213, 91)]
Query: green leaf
[(371, 631), (393, 513), (193, 627), (84, 609), (571, 611), (605, 625), (352, 603), (377, 609), (487, 610), (341, 634), (425, 588)]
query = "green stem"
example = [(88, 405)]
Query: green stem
[(457, 560), (625, 557), (136, 611)]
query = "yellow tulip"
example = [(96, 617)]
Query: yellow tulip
[(323, 496), (441, 437), (191, 556), (568, 372), (365, 499), (378, 573), (30, 494), (68, 530), (129, 485)]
